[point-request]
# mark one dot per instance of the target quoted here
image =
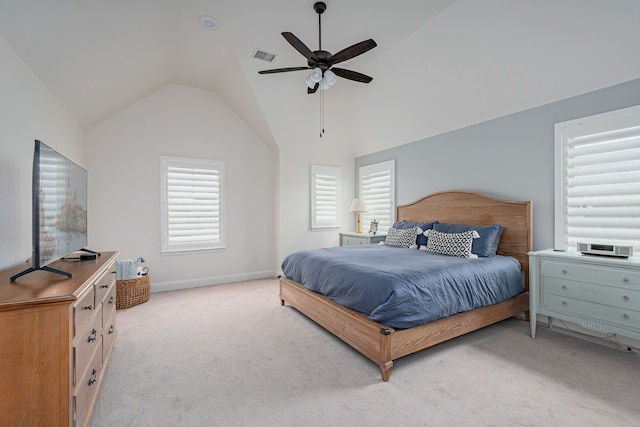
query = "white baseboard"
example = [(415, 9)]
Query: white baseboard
[(208, 281)]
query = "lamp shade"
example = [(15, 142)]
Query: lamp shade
[(358, 206)]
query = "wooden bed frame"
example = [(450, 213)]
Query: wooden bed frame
[(382, 344)]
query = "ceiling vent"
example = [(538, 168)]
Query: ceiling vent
[(265, 56)]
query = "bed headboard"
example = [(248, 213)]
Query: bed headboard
[(472, 208)]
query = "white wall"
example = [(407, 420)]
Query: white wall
[(295, 201), (28, 111), (123, 156)]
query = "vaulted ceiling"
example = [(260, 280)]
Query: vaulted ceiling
[(439, 64)]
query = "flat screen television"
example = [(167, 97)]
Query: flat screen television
[(59, 209)]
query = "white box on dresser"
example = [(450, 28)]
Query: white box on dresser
[(599, 293)]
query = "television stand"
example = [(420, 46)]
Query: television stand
[(32, 269), (56, 339)]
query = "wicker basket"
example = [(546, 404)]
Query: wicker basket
[(132, 292)]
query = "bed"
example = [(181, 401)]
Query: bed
[(382, 343)]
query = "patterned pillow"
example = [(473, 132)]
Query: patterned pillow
[(421, 239), (454, 244), (401, 238), (486, 245)]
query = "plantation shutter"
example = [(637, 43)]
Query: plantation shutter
[(377, 192), (600, 187), (325, 196), (193, 204)]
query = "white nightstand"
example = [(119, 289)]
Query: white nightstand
[(596, 292), (347, 239)]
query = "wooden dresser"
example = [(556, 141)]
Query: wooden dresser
[(56, 336)]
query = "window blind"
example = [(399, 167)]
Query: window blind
[(600, 181), (377, 192), (193, 204), (325, 196)]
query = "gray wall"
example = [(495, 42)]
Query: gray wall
[(511, 157)]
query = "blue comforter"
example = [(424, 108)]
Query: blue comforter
[(402, 288)]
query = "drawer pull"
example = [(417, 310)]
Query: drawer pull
[(625, 298), (93, 336), (625, 280), (625, 316), (564, 271), (111, 330), (111, 301), (564, 303), (93, 380), (104, 286), (89, 307), (564, 287)]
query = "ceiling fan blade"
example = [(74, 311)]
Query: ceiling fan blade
[(299, 46), (351, 51), (352, 75), (315, 88), (282, 70)]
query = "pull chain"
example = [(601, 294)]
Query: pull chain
[(321, 113)]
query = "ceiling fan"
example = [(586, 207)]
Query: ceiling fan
[(321, 62)]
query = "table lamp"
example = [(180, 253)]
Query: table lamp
[(358, 206)]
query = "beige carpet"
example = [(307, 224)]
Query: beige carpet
[(230, 355)]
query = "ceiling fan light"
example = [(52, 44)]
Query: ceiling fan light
[(324, 85), (309, 82), (316, 75), (330, 77)]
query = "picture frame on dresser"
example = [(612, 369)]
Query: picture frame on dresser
[(373, 229)]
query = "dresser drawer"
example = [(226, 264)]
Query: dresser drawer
[(87, 388), (85, 344), (628, 319), (83, 310), (610, 276), (350, 240), (108, 337), (105, 282), (617, 297), (108, 306)]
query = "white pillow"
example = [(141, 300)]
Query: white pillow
[(454, 244)]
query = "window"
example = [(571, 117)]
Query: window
[(377, 191), (598, 180), (192, 204), (325, 197)]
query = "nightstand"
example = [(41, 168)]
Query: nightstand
[(347, 239), (596, 292)]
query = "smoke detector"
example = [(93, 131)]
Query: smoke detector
[(209, 23)]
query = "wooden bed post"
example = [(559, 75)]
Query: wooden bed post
[(385, 363)]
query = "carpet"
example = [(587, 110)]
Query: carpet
[(231, 355)]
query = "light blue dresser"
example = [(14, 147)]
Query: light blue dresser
[(595, 292), (347, 239)]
